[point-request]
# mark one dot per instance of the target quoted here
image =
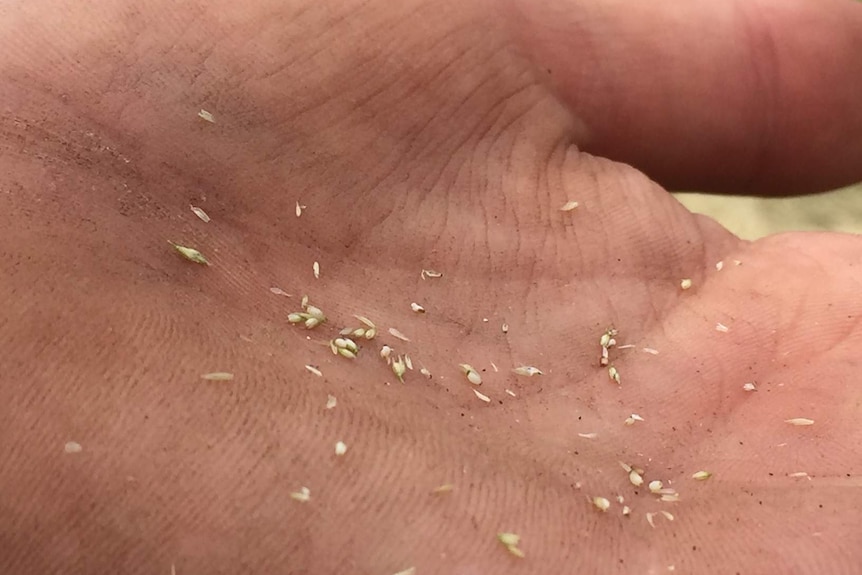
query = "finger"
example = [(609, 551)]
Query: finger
[(746, 97)]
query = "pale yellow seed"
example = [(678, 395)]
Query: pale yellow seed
[(650, 519), (445, 488), (331, 402), (569, 206), (190, 254), (340, 448), (395, 333), (719, 265), (217, 376), (509, 538), (655, 485), (200, 213), (601, 503), (203, 114), (749, 387), (527, 370), (315, 267), (417, 308), (370, 333), (408, 571), (72, 447), (346, 353), (424, 371), (303, 495), (591, 435), (614, 374), (482, 396), (295, 318), (799, 421), (298, 210), (798, 474), (669, 497), (494, 366), (399, 368), (505, 328), (474, 378), (721, 327), (635, 478), (701, 475), (304, 301), (627, 510), (365, 321), (667, 514), (314, 370), (510, 392), (685, 284), (333, 347)]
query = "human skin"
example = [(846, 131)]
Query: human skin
[(424, 135)]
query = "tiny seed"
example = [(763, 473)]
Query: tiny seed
[(614, 374), (591, 435), (408, 362), (474, 378), (651, 350), (303, 495), (299, 209), (621, 499), (670, 497), (200, 213), (370, 333), (601, 503), (315, 267), (797, 474), (304, 301), (482, 396), (655, 485), (351, 345), (509, 538), (365, 321), (685, 284), (295, 318), (650, 520), (340, 342), (331, 402), (635, 478), (190, 254), (344, 352), (505, 328), (431, 274), (425, 372), (749, 387), (314, 370), (627, 510), (333, 347), (701, 475), (510, 392), (395, 333), (668, 515), (722, 328), (445, 488), (312, 323), (358, 332), (527, 370), (279, 291), (719, 265), (217, 376), (799, 421), (340, 448), (72, 447), (569, 206), (417, 308), (203, 114), (399, 368), (385, 352)]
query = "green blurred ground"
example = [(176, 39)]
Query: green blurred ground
[(751, 218)]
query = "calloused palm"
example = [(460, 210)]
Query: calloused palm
[(419, 136)]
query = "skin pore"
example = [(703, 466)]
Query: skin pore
[(423, 135)]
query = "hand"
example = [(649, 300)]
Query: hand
[(425, 135)]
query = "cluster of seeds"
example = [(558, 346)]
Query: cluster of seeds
[(367, 330), (311, 316)]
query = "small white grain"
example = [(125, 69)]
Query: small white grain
[(408, 362), (721, 327), (279, 291), (395, 333), (601, 503), (494, 367), (650, 519), (798, 474), (482, 396), (218, 376), (314, 370), (655, 486), (719, 265), (315, 267), (505, 328), (701, 475), (424, 371), (799, 421), (510, 392), (340, 448), (206, 116), (72, 447), (685, 284), (331, 402), (527, 370), (627, 510), (667, 514), (591, 435), (200, 213), (303, 495), (635, 478), (569, 206), (299, 209), (417, 308), (749, 387)]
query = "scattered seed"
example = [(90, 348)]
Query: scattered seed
[(206, 116), (365, 321), (385, 352), (630, 420), (799, 421), (621, 499), (408, 362), (721, 327), (340, 448), (494, 366), (797, 474), (304, 301), (314, 370), (591, 435), (331, 402), (299, 209), (569, 206), (344, 352), (614, 374), (668, 515), (505, 328), (279, 291), (445, 488), (312, 323), (417, 308), (315, 267), (626, 346), (399, 367), (217, 376), (424, 371), (527, 370), (749, 387), (650, 519), (190, 254), (601, 503), (472, 375), (669, 497), (635, 478), (701, 475), (408, 571), (651, 350), (295, 317), (719, 265), (626, 467), (200, 213), (510, 392), (303, 495), (655, 486), (431, 274), (72, 447), (511, 540), (627, 510), (395, 333), (482, 396), (685, 284)]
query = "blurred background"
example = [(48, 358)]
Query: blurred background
[(752, 218)]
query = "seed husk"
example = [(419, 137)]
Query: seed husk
[(395, 333), (667, 514), (655, 486), (72, 447), (505, 328), (701, 475), (510, 392), (218, 376), (314, 370), (365, 321), (591, 435), (721, 327), (614, 374), (278, 291), (331, 402), (295, 317), (340, 448), (527, 370), (370, 333), (650, 519), (303, 495), (344, 352), (685, 284), (569, 206), (445, 488), (190, 254), (417, 308), (424, 371), (797, 474), (203, 114), (749, 386), (627, 510), (200, 213), (482, 396), (315, 267), (601, 503), (431, 274), (651, 350), (799, 421), (408, 362)]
